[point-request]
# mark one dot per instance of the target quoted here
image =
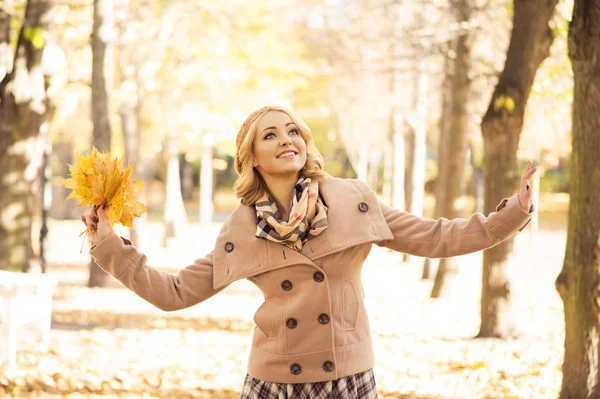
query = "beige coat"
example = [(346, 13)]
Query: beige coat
[(312, 325)]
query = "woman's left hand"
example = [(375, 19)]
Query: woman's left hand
[(525, 192)]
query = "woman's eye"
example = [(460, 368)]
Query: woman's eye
[(269, 135), (295, 131)]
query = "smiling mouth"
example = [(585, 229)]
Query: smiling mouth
[(287, 155)]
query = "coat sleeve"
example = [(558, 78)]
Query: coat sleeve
[(168, 292), (443, 238)]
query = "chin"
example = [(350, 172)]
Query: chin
[(290, 171), (283, 172)]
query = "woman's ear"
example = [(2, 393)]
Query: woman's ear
[(254, 162)]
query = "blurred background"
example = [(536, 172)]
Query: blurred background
[(425, 101)]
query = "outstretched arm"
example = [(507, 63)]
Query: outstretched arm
[(168, 292), (443, 238)]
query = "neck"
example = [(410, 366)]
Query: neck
[(281, 189)]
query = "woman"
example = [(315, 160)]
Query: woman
[(302, 236)]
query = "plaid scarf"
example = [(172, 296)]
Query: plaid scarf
[(308, 216)]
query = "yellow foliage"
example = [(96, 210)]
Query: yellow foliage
[(100, 178), (505, 102)]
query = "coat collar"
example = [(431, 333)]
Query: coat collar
[(348, 226)]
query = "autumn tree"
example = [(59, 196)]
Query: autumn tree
[(25, 112), (453, 135), (529, 45), (579, 281), (102, 35)]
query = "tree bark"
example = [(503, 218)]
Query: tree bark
[(501, 127), (409, 154), (102, 35), (175, 217), (441, 180), (398, 162), (130, 115), (461, 87), (419, 154), (420, 136), (477, 179), (579, 281), (25, 111), (373, 170), (206, 181)]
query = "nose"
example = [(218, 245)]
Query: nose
[(285, 140)]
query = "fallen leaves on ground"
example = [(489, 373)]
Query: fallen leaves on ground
[(110, 343)]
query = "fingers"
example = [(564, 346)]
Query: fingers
[(96, 210), (102, 213), (529, 171), (93, 218), (91, 223)]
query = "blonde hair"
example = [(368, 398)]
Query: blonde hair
[(250, 186)]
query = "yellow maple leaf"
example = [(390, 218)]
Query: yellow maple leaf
[(99, 178)]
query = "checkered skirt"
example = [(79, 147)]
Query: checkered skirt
[(357, 386)]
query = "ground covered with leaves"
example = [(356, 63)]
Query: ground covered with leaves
[(109, 343)]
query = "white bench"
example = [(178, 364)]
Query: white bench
[(25, 312)]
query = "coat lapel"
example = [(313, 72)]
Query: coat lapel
[(348, 226)]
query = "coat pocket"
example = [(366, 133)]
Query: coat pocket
[(351, 305), (263, 318)]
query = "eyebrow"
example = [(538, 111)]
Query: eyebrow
[(273, 127)]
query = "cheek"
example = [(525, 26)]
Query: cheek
[(302, 147), (262, 152), (300, 143)]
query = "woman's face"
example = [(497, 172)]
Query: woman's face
[(276, 136)]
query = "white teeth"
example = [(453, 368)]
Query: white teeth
[(287, 155)]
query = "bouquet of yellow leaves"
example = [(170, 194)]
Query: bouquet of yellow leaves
[(100, 178)]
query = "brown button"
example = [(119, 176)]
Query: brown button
[(296, 369), (323, 318), (363, 207), (291, 323), (328, 366), (229, 247), (286, 285), (318, 276)]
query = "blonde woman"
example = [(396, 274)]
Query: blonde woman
[(302, 236)]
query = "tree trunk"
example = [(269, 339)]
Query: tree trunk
[(130, 122), (398, 162), (362, 166), (373, 171), (102, 35), (579, 281), (388, 159), (461, 86), (501, 127), (409, 154), (130, 114), (388, 168), (175, 216), (395, 135), (417, 192), (420, 156), (477, 179), (25, 111), (206, 181), (441, 180)]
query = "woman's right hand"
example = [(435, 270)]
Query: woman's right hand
[(97, 224)]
